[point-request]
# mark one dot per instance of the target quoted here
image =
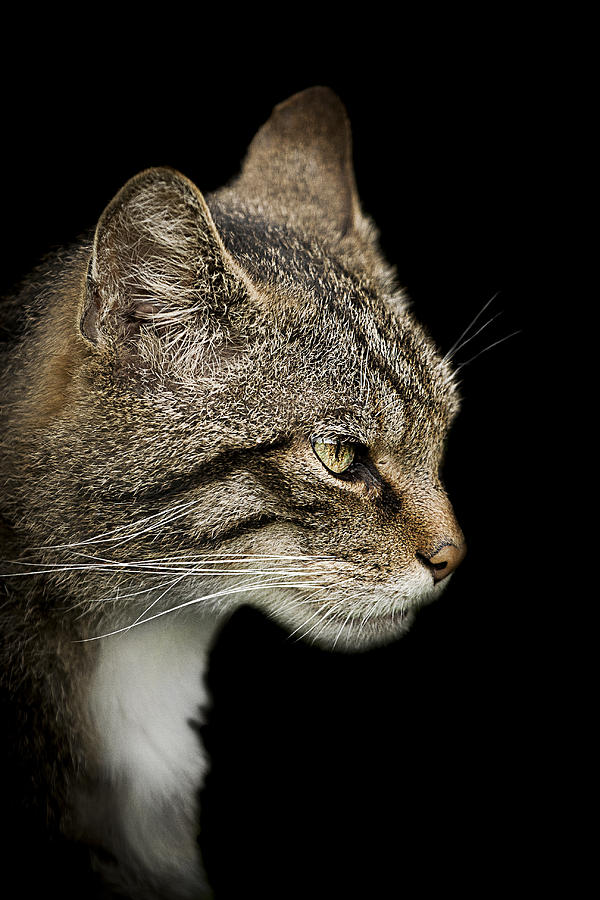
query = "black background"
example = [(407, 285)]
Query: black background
[(428, 765)]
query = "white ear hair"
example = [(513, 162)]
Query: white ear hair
[(157, 257)]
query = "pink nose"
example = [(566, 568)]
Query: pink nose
[(445, 560)]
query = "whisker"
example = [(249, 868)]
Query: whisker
[(342, 626), (53, 568), (205, 564), (310, 618), (168, 517), (223, 593), (470, 325), (321, 622), (485, 349), (325, 615), (471, 337), (105, 536), (370, 613), (148, 590), (158, 599)]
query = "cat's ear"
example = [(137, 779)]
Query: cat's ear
[(157, 258), (299, 164)]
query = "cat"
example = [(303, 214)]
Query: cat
[(208, 402)]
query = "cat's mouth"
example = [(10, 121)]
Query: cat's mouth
[(373, 616)]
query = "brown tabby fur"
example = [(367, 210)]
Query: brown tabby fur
[(186, 355)]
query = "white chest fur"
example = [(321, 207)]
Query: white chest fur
[(147, 686)]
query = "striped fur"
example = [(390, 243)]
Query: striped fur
[(162, 381)]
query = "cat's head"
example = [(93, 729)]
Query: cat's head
[(251, 387)]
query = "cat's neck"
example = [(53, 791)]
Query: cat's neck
[(150, 678), (146, 695)]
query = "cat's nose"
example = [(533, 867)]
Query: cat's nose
[(444, 560)]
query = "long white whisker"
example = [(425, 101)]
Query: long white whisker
[(148, 590), (169, 517), (471, 337), (223, 593), (470, 325), (322, 621), (342, 627), (371, 612), (485, 349), (310, 618), (105, 537), (158, 599), (101, 565)]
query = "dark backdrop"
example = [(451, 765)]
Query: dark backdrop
[(421, 767)]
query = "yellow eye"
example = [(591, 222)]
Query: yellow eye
[(335, 455)]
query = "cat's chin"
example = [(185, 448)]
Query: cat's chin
[(355, 638), (390, 616)]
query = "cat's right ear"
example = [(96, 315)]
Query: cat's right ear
[(158, 260), (300, 163)]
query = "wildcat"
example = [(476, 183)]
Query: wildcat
[(211, 401)]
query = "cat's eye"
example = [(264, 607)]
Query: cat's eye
[(337, 456)]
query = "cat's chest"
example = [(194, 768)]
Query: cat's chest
[(145, 694), (147, 686)]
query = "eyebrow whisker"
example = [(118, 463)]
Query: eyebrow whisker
[(471, 337), (485, 349), (452, 349)]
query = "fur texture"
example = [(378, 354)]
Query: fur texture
[(163, 384)]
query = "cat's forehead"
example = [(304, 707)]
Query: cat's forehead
[(339, 336), (387, 386)]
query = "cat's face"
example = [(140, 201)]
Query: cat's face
[(254, 391), (354, 485), (309, 452)]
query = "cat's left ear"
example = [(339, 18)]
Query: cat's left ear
[(157, 258)]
